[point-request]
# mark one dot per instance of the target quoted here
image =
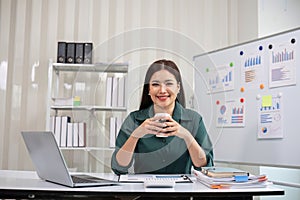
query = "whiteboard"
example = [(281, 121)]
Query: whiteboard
[(249, 96)]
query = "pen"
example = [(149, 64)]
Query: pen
[(221, 186)]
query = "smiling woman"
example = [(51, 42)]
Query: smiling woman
[(185, 142)]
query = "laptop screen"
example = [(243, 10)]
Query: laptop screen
[(46, 157)]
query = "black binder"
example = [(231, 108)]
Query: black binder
[(61, 52), (79, 52), (70, 53), (88, 53)]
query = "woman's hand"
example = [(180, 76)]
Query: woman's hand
[(149, 126), (173, 128), (165, 125)]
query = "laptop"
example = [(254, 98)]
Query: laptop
[(50, 164)]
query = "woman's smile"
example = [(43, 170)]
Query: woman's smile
[(163, 98)]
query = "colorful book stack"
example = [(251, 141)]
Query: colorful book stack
[(226, 177)]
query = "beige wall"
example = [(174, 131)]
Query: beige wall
[(137, 31), (277, 17)]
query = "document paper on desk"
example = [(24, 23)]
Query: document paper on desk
[(139, 178), (220, 183)]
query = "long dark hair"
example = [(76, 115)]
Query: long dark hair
[(158, 65)]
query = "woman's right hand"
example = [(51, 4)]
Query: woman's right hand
[(149, 126)]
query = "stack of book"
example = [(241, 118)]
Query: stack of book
[(67, 133), (115, 91), (226, 177)]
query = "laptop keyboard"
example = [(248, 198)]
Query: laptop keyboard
[(77, 179)]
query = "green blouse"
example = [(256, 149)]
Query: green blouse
[(168, 155)]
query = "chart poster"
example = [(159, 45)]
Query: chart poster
[(231, 113), (282, 70), (270, 117), (221, 78), (252, 67)]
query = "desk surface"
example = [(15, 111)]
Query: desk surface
[(26, 184)]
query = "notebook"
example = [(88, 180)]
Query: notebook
[(50, 164)]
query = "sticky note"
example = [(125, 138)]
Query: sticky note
[(241, 178), (76, 101), (267, 101)]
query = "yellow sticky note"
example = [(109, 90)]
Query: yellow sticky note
[(76, 101), (267, 101)]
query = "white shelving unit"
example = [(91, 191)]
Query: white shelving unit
[(88, 81), (89, 108)]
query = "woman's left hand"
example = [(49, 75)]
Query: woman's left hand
[(173, 128)]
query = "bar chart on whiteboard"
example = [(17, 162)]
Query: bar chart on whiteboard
[(282, 70)]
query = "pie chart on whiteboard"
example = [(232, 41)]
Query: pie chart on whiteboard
[(223, 109)]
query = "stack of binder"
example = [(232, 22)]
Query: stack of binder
[(223, 177)]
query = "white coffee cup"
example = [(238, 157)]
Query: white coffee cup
[(162, 121)]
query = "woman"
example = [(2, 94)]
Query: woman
[(185, 142)]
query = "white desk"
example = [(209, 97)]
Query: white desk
[(26, 184)]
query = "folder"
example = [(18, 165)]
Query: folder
[(231, 182), (79, 52), (52, 124), (70, 135), (57, 132), (61, 52), (64, 130), (75, 134), (70, 53), (121, 92), (88, 53), (114, 96), (82, 134), (109, 89), (223, 172)]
